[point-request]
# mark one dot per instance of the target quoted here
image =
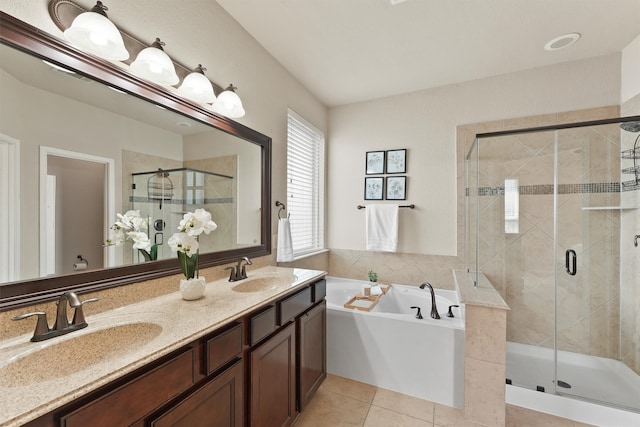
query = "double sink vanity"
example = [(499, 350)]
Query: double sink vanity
[(250, 353)]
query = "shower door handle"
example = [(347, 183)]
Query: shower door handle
[(571, 262)]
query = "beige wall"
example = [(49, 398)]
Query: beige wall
[(425, 123), (432, 235)]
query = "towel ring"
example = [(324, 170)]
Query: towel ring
[(282, 208)]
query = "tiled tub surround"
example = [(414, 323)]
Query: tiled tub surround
[(180, 321)]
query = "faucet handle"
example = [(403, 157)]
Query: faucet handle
[(42, 326), (450, 313), (78, 315), (232, 276)]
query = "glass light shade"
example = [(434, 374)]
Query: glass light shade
[(197, 87), (229, 104), (155, 65), (96, 34)]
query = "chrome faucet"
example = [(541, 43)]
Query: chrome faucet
[(434, 309), (61, 325), (239, 272)]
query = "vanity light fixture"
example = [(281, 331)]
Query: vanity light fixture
[(197, 87), (93, 32), (155, 65), (229, 104)]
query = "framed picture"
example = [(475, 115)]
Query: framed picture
[(373, 188), (396, 188), (397, 161), (375, 162)]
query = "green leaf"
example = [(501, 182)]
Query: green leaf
[(154, 252), (145, 254), (188, 264)]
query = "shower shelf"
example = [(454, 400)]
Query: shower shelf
[(631, 154), (632, 170), (610, 208)]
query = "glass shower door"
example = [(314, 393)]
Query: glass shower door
[(588, 335), (515, 246)]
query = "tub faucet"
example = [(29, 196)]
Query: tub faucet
[(434, 309)]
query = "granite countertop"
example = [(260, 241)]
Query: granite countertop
[(122, 340)]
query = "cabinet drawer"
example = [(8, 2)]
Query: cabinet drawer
[(223, 348), (294, 305), (219, 402), (319, 290), (133, 400), (262, 324)]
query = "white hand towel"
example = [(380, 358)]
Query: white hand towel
[(285, 246), (382, 227)]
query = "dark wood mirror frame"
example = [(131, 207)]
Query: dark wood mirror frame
[(33, 41)]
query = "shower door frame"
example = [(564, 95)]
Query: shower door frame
[(474, 271)]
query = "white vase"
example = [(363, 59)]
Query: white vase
[(192, 289)]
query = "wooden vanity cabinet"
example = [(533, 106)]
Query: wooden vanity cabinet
[(312, 354), (287, 368), (258, 371)]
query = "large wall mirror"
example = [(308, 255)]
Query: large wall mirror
[(79, 145)]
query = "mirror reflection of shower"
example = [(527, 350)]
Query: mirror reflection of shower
[(160, 187), (163, 196)]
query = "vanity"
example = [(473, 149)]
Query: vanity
[(248, 353)]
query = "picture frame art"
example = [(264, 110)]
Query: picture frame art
[(396, 188), (373, 188), (396, 161), (375, 162)]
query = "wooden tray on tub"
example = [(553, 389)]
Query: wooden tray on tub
[(366, 303)]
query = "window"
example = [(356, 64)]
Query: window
[(305, 185)]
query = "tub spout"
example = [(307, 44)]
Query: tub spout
[(434, 309)]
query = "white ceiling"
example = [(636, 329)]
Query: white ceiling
[(347, 51)]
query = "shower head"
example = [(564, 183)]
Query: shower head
[(630, 126)]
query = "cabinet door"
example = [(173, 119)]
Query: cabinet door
[(312, 330), (273, 381), (216, 404)]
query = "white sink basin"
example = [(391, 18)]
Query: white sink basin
[(263, 283)]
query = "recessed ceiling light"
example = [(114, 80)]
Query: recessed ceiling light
[(562, 41), (184, 124)]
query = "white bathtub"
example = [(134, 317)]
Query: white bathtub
[(389, 348)]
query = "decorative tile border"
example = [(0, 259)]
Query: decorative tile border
[(546, 189)]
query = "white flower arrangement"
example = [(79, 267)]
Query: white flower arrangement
[(130, 226), (186, 241)]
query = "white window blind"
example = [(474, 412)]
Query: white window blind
[(305, 184)]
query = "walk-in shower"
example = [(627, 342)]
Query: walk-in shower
[(551, 216)]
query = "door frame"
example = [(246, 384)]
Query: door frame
[(109, 202)]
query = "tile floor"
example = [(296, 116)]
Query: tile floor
[(341, 402)]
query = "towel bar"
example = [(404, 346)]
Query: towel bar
[(412, 206)]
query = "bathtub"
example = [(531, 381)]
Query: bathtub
[(389, 348)]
